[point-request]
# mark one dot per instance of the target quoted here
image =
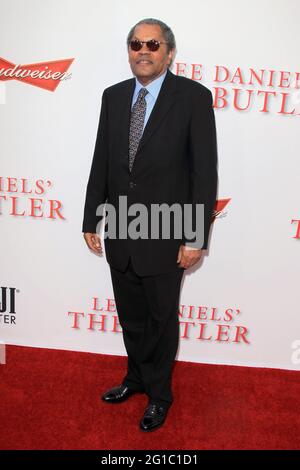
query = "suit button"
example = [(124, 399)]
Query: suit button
[(132, 184)]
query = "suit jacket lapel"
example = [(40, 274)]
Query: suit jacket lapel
[(165, 100)]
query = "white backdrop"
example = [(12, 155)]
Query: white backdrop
[(241, 306)]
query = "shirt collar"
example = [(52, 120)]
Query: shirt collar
[(153, 87)]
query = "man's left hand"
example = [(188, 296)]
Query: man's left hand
[(187, 257)]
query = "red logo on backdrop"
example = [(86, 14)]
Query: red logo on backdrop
[(220, 206), (247, 88), (203, 323), (45, 75)]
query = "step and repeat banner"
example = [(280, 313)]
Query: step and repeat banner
[(241, 304)]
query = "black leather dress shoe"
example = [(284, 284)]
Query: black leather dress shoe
[(118, 394), (154, 417)]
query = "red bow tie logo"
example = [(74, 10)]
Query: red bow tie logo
[(45, 75), (219, 208)]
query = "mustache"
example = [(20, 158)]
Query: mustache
[(144, 58)]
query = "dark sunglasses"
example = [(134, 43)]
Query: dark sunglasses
[(152, 45)]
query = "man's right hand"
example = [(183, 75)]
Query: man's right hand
[(93, 242)]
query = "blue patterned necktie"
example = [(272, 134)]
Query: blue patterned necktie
[(136, 124)]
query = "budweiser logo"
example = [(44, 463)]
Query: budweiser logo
[(220, 206), (45, 75)]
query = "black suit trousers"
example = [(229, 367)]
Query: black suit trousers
[(148, 308)]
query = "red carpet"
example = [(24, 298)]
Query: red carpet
[(50, 399)]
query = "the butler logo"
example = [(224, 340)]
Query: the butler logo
[(244, 88), (8, 305), (203, 323), (45, 75), (16, 201)]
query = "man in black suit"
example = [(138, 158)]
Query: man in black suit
[(156, 144)]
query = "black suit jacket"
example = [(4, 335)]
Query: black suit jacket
[(176, 162)]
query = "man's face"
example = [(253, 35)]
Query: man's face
[(156, 62)]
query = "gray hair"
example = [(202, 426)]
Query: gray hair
[(166, 31)]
